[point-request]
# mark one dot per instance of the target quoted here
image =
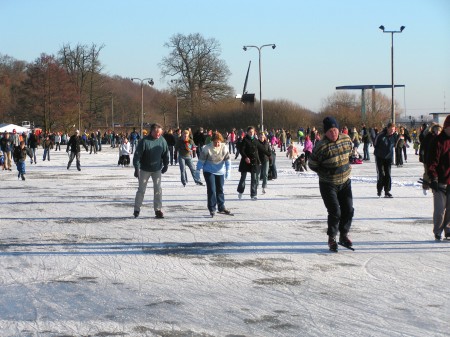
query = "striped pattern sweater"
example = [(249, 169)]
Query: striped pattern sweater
[(331, 159)]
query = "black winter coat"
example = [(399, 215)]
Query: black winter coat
[(251, 148), (20, 155), (33, 141), (199, 138), (263, 157), (170, 139), (74, 144)]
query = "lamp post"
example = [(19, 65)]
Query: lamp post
[(392, 66), (260, 87), (150, 81), (112, 110), (176, 95)]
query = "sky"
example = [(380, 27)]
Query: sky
[(321, 44), (75, 262)]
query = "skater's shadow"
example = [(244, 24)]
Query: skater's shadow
[(213, 248)]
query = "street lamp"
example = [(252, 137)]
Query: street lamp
[(260, 89), (176, 95), (392, 66), (112, 109), (150, 81)]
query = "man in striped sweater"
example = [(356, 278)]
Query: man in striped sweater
[(330, 159)]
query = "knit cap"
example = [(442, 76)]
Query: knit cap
[(328, 123)]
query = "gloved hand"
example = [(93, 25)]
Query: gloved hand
[(434, 185), (197, 175), (164, 169), (136, 172), (227, 175)]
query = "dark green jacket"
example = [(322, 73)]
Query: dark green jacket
[(151, 154)]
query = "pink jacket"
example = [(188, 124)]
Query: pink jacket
[(308, 147)]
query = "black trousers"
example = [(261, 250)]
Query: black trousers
[(383, 174), (338, 200), (254, 175)]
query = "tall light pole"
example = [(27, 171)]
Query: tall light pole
[(260, 81), (392, 67), (150, 81), (176, 95), (112, 110)]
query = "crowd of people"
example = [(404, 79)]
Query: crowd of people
[(330, 154)]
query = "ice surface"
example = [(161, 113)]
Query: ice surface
[(75, 262)]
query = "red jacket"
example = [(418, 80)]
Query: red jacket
[(439, 159)]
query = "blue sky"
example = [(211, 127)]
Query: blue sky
[(321, 44)]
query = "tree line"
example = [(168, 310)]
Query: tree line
[(69, 90)]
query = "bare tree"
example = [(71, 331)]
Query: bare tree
[(344, 106), (378, 111), (83, 66), (195, 61)]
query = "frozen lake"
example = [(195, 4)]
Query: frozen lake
[(75, 262)]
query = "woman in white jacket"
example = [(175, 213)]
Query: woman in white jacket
[(215, 162), (124, 153)]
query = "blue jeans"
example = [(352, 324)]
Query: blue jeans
[(33, 156), (21, 167), (366, 151), (214, 187), (264, 173), (46, 154), (184, 161), (133, 144), (231, 147)]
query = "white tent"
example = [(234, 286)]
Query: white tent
[(10, 127)]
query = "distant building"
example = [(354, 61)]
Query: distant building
[(439, 117), (413, 121)]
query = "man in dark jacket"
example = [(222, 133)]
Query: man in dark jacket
[(429, 135), (367, 142), (74, 145), (250, 162), (33, 144), (171, 140), (384, 156), (438, 163), (199, 140)]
